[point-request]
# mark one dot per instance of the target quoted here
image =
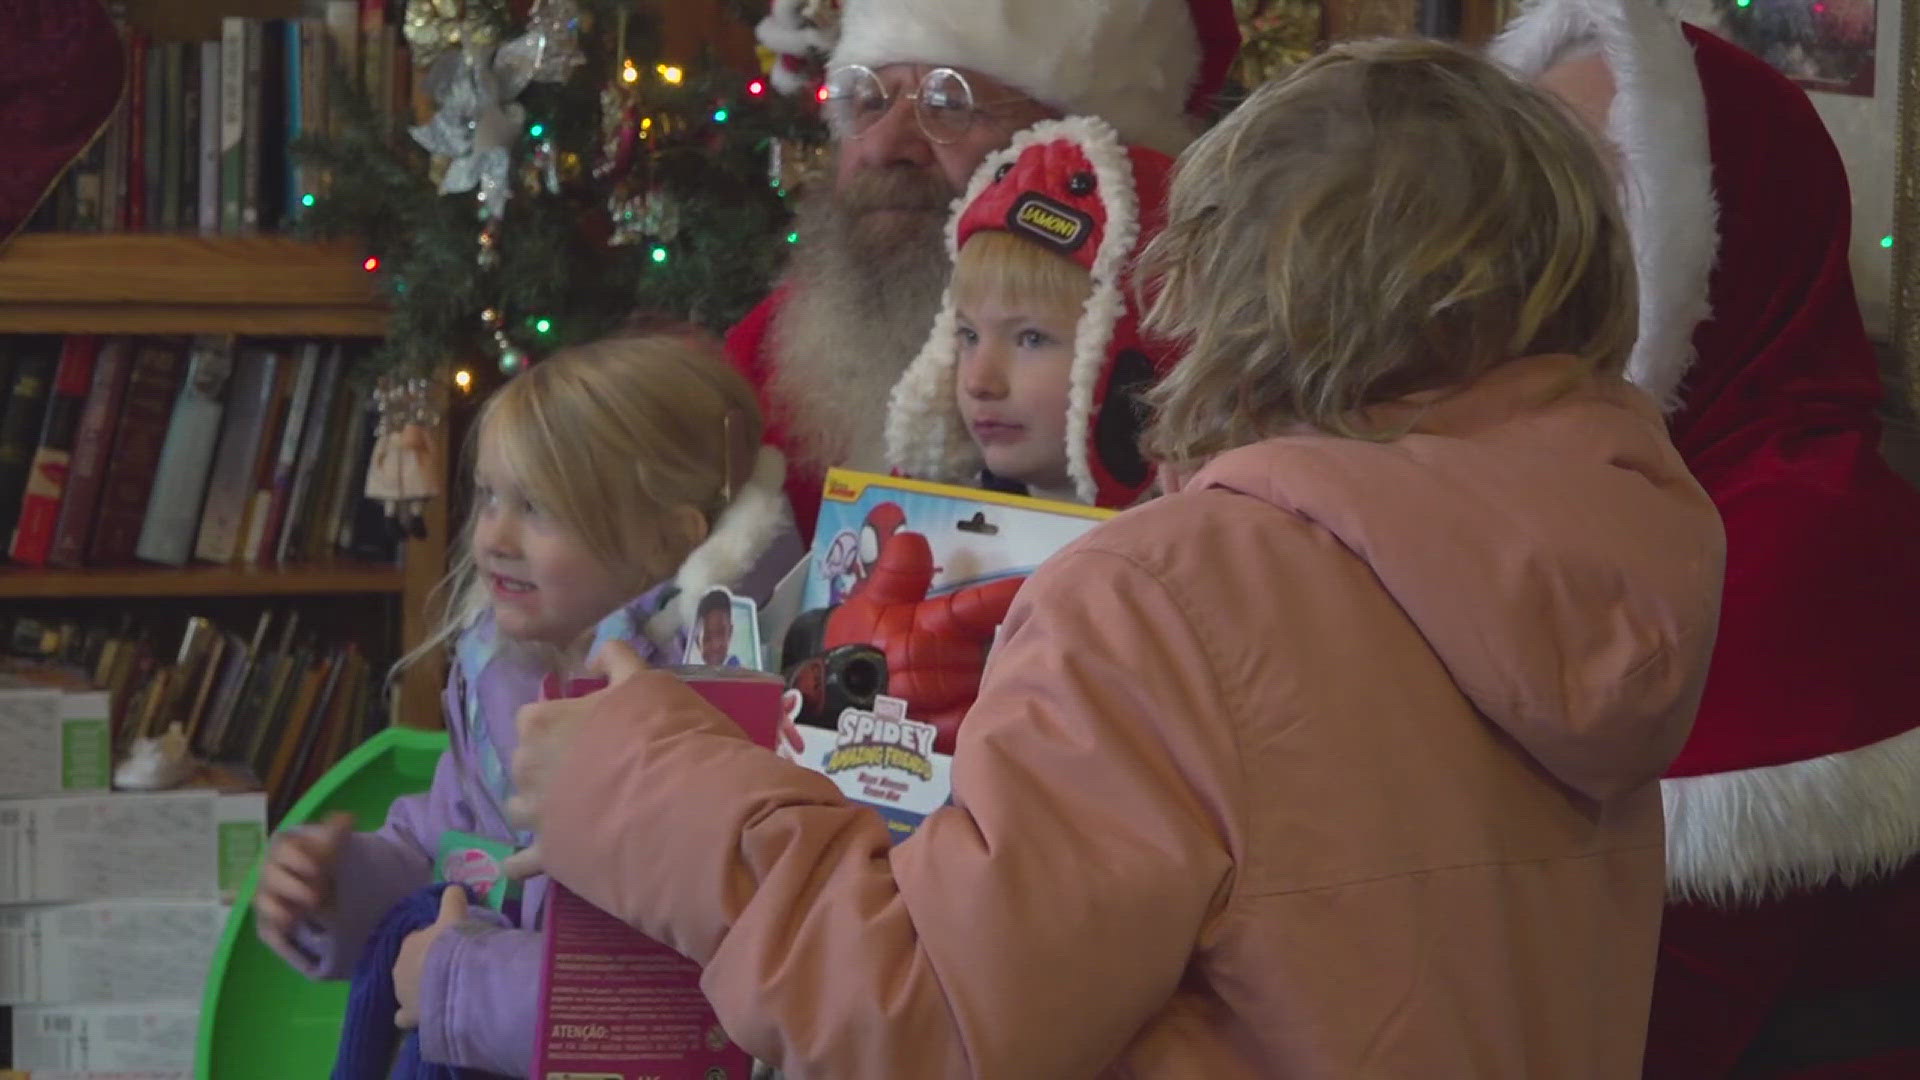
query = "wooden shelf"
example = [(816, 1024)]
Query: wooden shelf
[(152, 283), (166, 581)]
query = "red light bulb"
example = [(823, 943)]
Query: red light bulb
[(371, 264), (821, 94), (756, 88)]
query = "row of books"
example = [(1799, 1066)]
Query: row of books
[(273, 708), (200, 141), (171, 449)]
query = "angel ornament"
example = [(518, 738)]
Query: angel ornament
[(798, 36), (408, 462)]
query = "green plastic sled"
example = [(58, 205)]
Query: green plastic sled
[(260, 1018)]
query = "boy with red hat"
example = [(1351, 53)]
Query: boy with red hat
[(921, 91), (1031, 379)]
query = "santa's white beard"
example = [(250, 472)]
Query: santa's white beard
[(863, 289)]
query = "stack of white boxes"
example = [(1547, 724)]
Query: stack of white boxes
[(111, 904)]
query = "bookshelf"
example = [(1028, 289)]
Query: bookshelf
[(201, 581), (154, 283)]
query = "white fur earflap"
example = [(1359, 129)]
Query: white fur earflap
[(925, 435), (1106, 304), (1133, 63), (757, 516), (1658, 122), (1757, 834)]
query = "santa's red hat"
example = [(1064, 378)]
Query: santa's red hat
[(1072, 188), (1804, 763), (1151, 68), (61, 72)]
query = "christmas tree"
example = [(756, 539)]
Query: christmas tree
[(569, 177)]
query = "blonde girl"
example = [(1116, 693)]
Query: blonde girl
[(613, 485)]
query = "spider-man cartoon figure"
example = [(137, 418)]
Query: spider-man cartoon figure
[(850, 559), (936, 648)]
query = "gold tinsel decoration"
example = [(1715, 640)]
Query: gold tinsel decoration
[(1276, 35), (432, 27)]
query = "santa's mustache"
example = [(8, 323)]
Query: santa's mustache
[(898, 188)]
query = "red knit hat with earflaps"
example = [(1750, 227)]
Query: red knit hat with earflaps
[(1070, 187)]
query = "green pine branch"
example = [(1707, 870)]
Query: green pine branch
[(708, 154)]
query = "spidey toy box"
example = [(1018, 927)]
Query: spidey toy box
[(904, 588)]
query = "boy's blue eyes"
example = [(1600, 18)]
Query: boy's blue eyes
[(1025, 339)]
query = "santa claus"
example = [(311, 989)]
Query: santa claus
[(1791, 945), (918, 93)]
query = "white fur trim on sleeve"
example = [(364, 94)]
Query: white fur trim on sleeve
[(1757, 834), (1659, 125)]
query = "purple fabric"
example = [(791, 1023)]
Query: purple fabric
[(480, 990)]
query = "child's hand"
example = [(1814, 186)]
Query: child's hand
[(412, 961), (297, 881)]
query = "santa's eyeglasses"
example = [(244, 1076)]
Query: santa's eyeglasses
[(943, 106)]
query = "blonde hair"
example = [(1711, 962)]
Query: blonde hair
[(1393, 217), (999, 267), (608, 439)]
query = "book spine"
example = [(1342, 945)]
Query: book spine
[(233, 119), (275, 112), (280, 488), (315, 92), (136, 453), (207, 139), (33, 365), (186, 141), (47, 477), (294, 66), (154, 154), (231, 484), (173, 511), (319, 533), (165, 203), (113, 176), (81, 205), (90, 446), (376, 65), (254, 101), (343, 37), (136, 191), (312, 439)]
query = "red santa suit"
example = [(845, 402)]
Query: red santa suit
[(61, 69), (1793, 813)]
